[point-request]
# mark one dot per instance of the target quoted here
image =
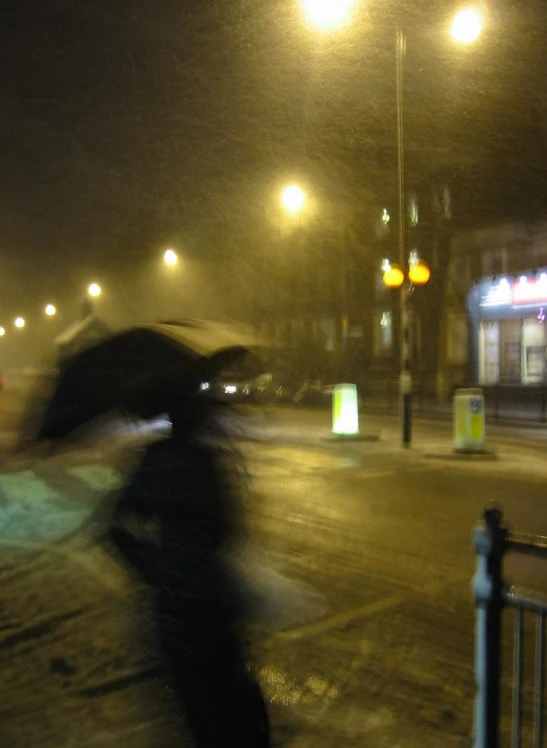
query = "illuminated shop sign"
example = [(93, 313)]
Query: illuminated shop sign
[(519, 293)]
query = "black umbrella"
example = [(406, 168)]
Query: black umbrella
[(126, 369)]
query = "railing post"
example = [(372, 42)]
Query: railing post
[(490, 545)]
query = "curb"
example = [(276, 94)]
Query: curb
[(420, 413), (490, 420), (484, 456), (334, 439)]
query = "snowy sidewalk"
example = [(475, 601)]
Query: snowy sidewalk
[(41, 505)]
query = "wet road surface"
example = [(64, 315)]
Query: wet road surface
[(380, 536)]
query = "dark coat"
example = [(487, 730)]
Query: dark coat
[(182, 486)]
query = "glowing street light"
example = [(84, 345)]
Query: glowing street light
[(50, 310), (94, 290), (466, 26), (19, 322), (170, 257), (419, 273), (2, 332), (328, 15), (393, 276), (293, 199)]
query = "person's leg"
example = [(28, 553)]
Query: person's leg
[(205, 666)]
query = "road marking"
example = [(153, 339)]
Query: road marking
[(92, 561), (341, 619), (26, 488)]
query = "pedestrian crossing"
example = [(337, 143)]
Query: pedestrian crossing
[(32, 509)]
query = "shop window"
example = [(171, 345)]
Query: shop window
[(457, 339), (533, 351), (510, 351), (489, 353), (383, 333)]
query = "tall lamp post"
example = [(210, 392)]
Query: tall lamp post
[(405, 378), (465, 29), (329, 15)]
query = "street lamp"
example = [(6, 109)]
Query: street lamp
[(466, 26), (19, 322), (173, 294), (328, 15), (170, 257), (2, 332), (393, 275), (50, 310), (94, 290), (293, 199)]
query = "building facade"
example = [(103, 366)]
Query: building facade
[(496, 307)]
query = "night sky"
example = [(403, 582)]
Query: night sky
[(127, 126)]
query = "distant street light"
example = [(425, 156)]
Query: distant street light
[(19, 322), (293, 199), (466, 26), (94, 290), (328, 15), (170, 257), (2, 332), (50, 310)]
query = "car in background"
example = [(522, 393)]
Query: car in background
[(229, 386), (278, 388), (313, 392), (271, 389), (268, 388)]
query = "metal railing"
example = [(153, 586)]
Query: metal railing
[(492, 542)]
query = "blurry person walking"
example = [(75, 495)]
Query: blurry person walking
[(185, 485)]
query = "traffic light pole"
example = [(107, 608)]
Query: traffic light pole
[(405, 380)]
